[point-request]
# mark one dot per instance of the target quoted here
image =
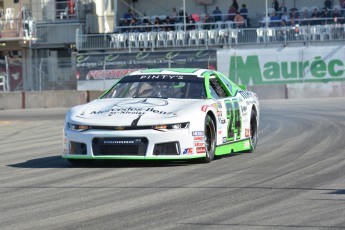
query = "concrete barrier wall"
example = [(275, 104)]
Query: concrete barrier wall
[(54, 99), (269, 91), (11, 100), (316, 90), (69, 98)]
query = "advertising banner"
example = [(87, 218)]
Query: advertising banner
[(116, 65), (283, 65)]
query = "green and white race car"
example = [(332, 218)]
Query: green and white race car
[(164, 114)]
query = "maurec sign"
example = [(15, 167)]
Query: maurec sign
[(291, 65)]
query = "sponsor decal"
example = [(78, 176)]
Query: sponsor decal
[(200, 150), (198, 138), (220, 132), (246, 144), (139, 107), (198, 133), (188, 151), (204, 108), (246, 94), (142, 103), (224, 140), (162, 77), (247, 132), (199, 144), (108, 74)]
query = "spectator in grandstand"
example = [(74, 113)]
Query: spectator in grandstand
[(315, 15), (275, 5), (146, 24), (173, 13), (231, 13), (157, 24), (304, 19), (169, 23), (326, 14), (217, 14), (235, 4), (274, 19), (336, 13), (128, 15), (266, 20), (239, 20), (191, 22), (342, 5), (207, 20), (294, 13), (181, 15), (282, 8), (124, 25), (285, 17), (328, 4), (134, 24), (244, 11)]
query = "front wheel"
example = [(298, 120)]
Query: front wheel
[(253, 131), (210, 139)]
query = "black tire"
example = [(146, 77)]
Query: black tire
[(210, 139), (253, 131)]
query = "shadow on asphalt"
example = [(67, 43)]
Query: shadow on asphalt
[(59, 162)]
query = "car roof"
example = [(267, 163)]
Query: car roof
[(185, 71)]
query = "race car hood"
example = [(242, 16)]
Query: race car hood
[(125, 110)]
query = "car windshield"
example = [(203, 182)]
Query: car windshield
[(158, 87)]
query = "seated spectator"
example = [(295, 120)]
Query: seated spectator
[(326, 14), (294, 13), (304, 19), (146, 25), (134, 23), (274, 19), (207, 20), (217, 14), (182, 15), (266, 20), (315, 15), (342, 5), (335, 15), (232, 13), (191, 22), (239, 20), (128, 15), (124, 23), (244, 11), (285, 17), (157, 24), (169, 23)]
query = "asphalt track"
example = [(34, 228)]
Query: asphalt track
[(294, 180)]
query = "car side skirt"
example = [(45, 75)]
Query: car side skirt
[(132, 157), (236, 146)]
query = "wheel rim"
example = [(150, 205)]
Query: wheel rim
[(253, 131)]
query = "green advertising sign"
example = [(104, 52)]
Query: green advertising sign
[(290, 66)]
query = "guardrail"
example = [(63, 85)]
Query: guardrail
[(215, 37)]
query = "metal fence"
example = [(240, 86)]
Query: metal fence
[(214, 37)]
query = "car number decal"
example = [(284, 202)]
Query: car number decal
[(234, 119)]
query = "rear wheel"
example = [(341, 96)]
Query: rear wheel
[(253, 131), (210, 139)]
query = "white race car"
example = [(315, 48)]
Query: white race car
[(164, 114)]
